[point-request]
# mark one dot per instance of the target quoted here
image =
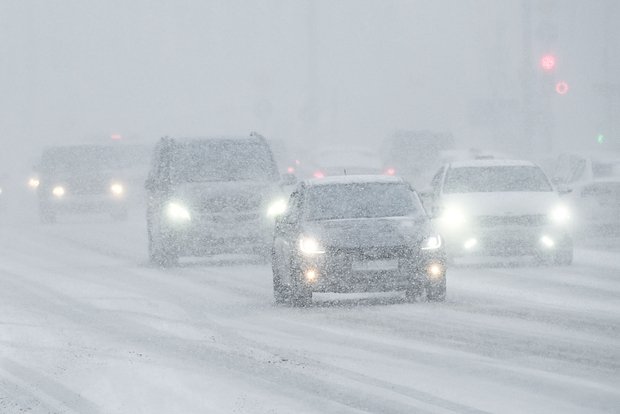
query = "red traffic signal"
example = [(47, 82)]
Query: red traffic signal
[(561, 87), (547, 62)]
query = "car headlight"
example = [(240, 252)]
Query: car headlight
[(117, 189), (560, 214), (310, 246), (33, 182), (277, 207), (453, 217), (431, 242), (178, 212), (58, 191)]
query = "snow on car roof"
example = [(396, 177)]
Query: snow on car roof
[(354, 179), (491, 163)]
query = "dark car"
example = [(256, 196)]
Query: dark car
[(212, 195), (356, 234), (86, 178)]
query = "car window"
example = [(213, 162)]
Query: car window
[(495, 179), (204, 161), (367, 200)]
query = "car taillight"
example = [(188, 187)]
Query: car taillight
[(390, 171), (318, 174)]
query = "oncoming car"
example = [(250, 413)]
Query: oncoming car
[(84, 178), (356, 234), (501, 208), (212, 195)]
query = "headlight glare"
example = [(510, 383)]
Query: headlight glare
[(560, 214), (453, 217), (117, 189), (431, 242), (177, 212), (58, 191), (277, 207), (310, 246)]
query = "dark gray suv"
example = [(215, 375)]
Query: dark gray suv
[(211, 195)]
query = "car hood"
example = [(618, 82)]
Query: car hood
[(227, 197), (369, 232), (502, 203)]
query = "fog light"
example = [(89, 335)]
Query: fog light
[(547, 241), (311, 275), (470, 243), (435, 270)]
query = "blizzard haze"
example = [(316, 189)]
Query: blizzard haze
[(310, 71)]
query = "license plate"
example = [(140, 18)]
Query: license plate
[(365, 265)]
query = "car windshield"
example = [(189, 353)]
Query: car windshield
[(368, 200), (84, 159), (495, 179), (223, 161)]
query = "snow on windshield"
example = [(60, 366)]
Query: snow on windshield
[(495, 179), (343, 201), (223, 161)]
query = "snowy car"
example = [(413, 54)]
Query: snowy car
[(84, 178), (356, 234), (212, 195), (501, 208), (597, 204)]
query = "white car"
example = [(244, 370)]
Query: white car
[(500, 208), (597, 204)]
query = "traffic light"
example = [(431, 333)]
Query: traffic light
[(600, 139), (561, 87), (547, 62)]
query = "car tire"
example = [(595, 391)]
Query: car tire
[(301, 295), (160, 254), (281, 293)]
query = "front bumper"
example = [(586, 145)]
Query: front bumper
[(237, 233), (506, 241), (85, 203), (372, 270)]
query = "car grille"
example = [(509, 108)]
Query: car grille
[(231, 204), (530, 220)]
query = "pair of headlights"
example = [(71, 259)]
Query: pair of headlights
[(178, 212), (116, 189), (454, 217), (310, 246)]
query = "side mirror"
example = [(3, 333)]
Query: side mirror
[(288, 179), (149, 184), (563, 190), (427, 197)]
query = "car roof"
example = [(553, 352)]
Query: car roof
[(491, 163), (221, 138), (353, 179)]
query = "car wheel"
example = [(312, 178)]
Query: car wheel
[(160, 254), (280, 291), (301, 295)]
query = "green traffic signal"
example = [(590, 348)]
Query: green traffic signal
[(600, 138)]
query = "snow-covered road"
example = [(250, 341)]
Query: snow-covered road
[(86, 326)]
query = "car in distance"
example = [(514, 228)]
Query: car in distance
[(500, 208), (356, 234), (210, 196), (83, 178)]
